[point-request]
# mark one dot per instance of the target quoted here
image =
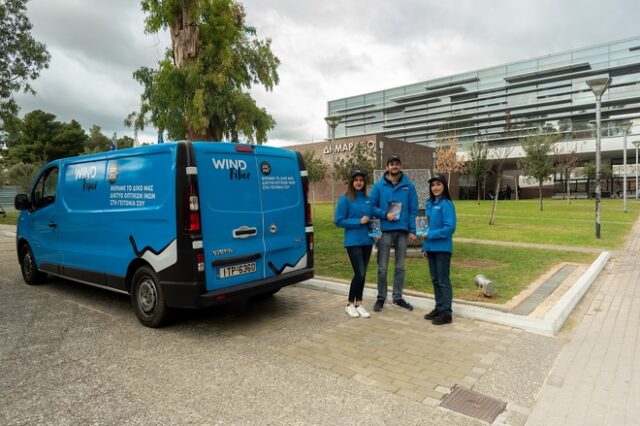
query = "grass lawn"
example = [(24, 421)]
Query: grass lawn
[(511, 268), (10, 219)]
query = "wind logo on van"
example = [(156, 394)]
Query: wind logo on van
[(237, 168), (88, 176)]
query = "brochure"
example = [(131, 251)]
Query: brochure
[(374, 228), (422, 226), (394, 208)]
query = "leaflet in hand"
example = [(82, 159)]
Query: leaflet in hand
[(422, 226), (374, 228), (394, 208)]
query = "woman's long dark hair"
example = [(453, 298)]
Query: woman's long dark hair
[(445, 193), (351, 192)]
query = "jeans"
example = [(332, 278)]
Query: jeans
[(397, 239), (439, 266), (359, 257)]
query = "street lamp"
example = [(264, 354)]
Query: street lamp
[(333, 122), (637, 145), (598, 86), (626, 127)]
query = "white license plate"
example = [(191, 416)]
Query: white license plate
[(241, 269)]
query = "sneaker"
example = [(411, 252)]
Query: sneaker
[(351, 311), (401, 303), (441, 319), (362, 311), (378, 305), (431, 315)]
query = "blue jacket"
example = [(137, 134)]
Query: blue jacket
[(348, 214), (404, 192), (442, 225)]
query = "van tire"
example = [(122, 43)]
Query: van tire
[(28, 267), (148, 299)]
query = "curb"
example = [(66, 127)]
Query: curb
[(548, 326)]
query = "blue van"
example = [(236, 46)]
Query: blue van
[(177, 225)]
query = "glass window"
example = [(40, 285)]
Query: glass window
[(589, 52), (522, 67), (553, 61), (44, 191)]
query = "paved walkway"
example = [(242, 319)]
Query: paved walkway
[(596, 378)]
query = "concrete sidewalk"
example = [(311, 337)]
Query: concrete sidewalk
[(596, 378)]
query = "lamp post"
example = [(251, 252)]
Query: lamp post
[(598, 86), (626, 127), (637, 145), (333, 122)]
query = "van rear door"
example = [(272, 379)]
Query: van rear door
[(231, 214), (283, 207)]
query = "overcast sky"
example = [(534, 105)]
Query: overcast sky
[(328, 50)]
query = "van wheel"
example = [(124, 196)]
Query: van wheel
[(30, 272), (147, 298)]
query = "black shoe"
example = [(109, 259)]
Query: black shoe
[(377, 307), (441, 319), (401, 303), (431, 315)]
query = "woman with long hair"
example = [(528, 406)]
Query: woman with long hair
[(353, 213), (438, 246)]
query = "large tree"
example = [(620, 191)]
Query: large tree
[(200, 90), (447, 161), (39, 138), (360, 158), (21, 56), (539, 160), (316, 169), (478, 165), (97, 141)]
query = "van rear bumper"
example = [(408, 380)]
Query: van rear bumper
[(188, 295)]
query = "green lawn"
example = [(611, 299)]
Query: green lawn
[(10, 219), (511, 268)]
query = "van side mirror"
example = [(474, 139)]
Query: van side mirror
[(21, 202)]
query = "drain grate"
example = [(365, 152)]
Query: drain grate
[(473, 404), (541, 293)]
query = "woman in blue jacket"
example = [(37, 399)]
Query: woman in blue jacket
[(438, 246), (353, 214)]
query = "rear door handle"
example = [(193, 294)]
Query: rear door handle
[(245, 232), (53, 225)]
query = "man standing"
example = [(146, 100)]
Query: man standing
[(395, 202)]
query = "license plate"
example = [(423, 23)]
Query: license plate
[(241, 269)]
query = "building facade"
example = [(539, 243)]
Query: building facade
[(500, 105), (377, 146)]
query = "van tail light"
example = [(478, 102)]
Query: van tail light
[(307, 206), (192, 207), (200, 261)]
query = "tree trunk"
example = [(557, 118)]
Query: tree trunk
[(492, 219), (184, 37), (478, 189), (540, 193), (568, 188)]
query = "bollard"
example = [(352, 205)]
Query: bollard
[(485, 285)]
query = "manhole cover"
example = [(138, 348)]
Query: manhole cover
[(473, 404)]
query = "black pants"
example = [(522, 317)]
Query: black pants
[(359, 257)]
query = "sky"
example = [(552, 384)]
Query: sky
[(328, 50)]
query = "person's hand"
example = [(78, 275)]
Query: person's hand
[(377, 237), (364, 219), (425, 255), (412, 237), (391, 217)]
